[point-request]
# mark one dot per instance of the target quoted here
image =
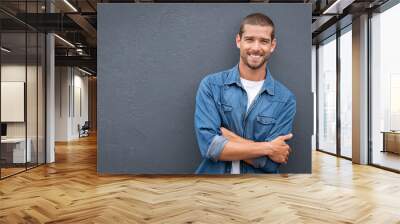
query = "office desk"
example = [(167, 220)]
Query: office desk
[(391, 141), (16, 147)]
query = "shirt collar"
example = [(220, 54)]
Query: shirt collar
[(234, 78)]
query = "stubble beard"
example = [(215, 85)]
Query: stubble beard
[(254, 67)]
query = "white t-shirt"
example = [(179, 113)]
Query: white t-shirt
[(252, 89)]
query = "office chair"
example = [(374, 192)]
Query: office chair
[(84, 130)]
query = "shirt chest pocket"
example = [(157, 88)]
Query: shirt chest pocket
[(227, 115), (263, 126), (226, 108)]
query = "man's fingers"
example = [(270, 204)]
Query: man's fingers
[(223, 131), (226, 131), (286, 158), (287, 137)]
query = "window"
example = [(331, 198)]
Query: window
[(327, 95), (385, 88), (346, 92)]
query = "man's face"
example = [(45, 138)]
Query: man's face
[(256, 45)]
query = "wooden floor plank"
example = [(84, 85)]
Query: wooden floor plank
[(70, 191)]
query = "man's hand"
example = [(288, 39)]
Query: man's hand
[(279, 149), (236, 138), (232, 136)]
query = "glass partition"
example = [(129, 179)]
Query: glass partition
[(14, 153), (41, 88), (22, 77), (327, 95), (32, 95)]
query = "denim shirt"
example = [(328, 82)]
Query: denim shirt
[(221, 101)]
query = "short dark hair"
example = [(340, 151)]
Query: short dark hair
[(257, 19)]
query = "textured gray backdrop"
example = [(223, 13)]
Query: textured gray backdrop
[(151, 58)]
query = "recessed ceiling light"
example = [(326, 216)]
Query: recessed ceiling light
[(5, 50), (70, 5), (86, 72), (64, 40), (338, 6)]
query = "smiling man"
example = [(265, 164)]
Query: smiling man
[(243, 116)]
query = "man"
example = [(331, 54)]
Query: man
[(243, 116)]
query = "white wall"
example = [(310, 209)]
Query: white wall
[(314, 92), (16, 72), (71, 93), (62, 81), (12, 73), (79, 103), (33, 126)]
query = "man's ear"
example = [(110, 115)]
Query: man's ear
[(238, 41), (273, 45)]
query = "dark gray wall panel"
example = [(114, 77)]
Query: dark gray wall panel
[(151, 58)]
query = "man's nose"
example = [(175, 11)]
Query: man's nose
[(256, 45)]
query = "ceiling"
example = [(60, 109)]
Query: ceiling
[(76, 22)]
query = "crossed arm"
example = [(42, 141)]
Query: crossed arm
[(221, 144), (238, 148)]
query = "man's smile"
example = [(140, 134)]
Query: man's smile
[(255, 56)]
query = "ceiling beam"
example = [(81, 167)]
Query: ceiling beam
[(84, 61), (86, 26)]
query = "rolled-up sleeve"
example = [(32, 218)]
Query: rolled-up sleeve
[(283, 126), (207, 123)]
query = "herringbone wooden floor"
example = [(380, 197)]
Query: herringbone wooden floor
[(70, 191)]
